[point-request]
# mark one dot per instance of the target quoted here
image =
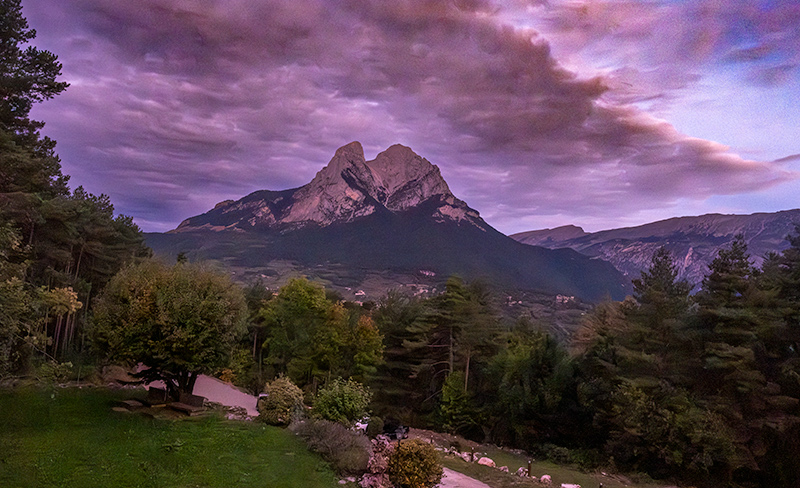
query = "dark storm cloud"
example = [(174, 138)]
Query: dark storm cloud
[(177, 104)]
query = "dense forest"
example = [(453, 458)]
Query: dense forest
[(703, 389)]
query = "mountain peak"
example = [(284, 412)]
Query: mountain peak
[(347, 188), (353, 149)]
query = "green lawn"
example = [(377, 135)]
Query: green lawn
[(559, 474), (74, 439)]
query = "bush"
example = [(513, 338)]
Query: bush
[(374, 427), (52, 372), (282, 403), (557, 454), (415, 464), (347, 451), (342, 401)]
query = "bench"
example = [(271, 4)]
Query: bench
[(189, 404)]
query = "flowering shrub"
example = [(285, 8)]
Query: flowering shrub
[(415, 464)]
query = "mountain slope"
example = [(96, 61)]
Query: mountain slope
[(393, 214), (693, 241)]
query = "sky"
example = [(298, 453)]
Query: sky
[(539, 113)]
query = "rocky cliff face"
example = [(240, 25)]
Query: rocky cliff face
[(693, 241), (348, 188)]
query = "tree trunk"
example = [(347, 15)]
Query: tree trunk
[(57, 335), (466, 370), (451, 358)]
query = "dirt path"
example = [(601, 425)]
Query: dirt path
[(219, 391), (454, 479)]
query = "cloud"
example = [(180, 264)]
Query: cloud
[(177, 104)]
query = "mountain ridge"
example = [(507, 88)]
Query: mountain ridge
[(694, 240)]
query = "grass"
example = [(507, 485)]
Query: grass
[(559, 474), (514, 460), (72, 438)]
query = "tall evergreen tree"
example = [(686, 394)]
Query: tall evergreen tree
[(27, 76)]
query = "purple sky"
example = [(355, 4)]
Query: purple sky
[(539, 113)]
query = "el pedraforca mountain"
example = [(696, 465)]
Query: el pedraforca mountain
[(345, 190), (388, 221)]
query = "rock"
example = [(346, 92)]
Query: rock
[(504, 469), (466, 456), (522, 472), (545, 479), (117, 374), (569, 485), (371, 480), (485, 461)]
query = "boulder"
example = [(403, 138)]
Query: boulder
[(485, 461), (117, 374), (545, 479), (504, 469), (522, 472)]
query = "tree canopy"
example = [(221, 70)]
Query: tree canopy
[(179, 321)]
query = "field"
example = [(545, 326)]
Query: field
[(72, 438)]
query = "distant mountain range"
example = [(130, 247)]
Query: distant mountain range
[(693, 241), (378, 224)]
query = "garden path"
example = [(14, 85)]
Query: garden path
[(454, 479)]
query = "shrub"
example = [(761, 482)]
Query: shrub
[(347, 451), (415, 464), (342, 401), (52, 372), (374, 427), (282, 403)]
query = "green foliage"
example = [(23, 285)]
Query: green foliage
[(374, 427), (415, 464), (396, 384), (310, 338), (179, 321), (457, 413), (529, 381), (662, 298), (667, 433), (347, 451), (281, 403), (342, 401), (16, 307), (52, 373), (456, 330), (29, 75)]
